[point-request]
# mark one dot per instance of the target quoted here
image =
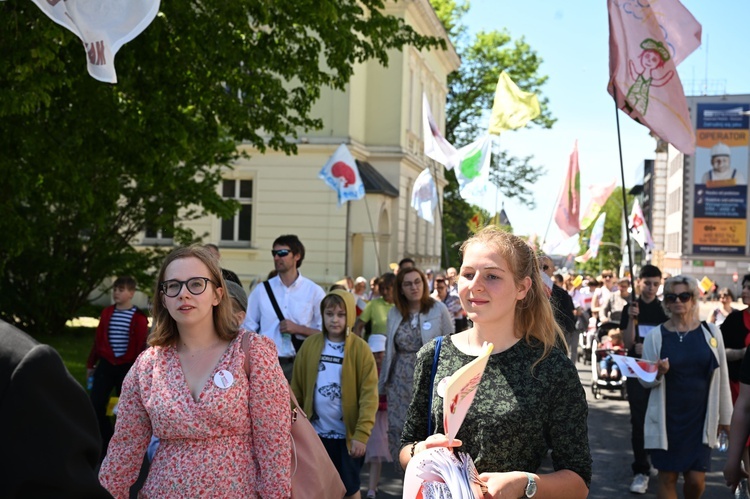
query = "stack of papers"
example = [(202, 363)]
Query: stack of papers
[(441, 474), (437, 472)]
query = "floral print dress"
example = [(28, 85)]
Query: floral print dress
[(408, 341), (225, 445)]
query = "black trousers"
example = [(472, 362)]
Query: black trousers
[(638, 402), (107, 377)]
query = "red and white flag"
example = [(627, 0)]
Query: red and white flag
[(631, 367), (342, 175), (569, 203), (647, 40), (638, 228)]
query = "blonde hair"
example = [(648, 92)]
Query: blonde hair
[(164, 331), (692, 285), (615, 335), (533, 316)]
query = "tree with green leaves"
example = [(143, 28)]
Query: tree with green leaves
[(87, 166), (471, 91)]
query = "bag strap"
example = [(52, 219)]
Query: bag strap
[(275, 304), (295, 411), (438, 345), (708, 328)]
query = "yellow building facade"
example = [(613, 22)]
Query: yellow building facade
[(379, 118)]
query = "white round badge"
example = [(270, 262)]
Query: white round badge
[(427, 326), (442, 385), (223, 379)]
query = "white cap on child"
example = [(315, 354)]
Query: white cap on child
[(377, 343)]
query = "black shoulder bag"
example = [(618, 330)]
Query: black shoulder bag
[(297, 343)]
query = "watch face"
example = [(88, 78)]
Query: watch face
[(531, 488)]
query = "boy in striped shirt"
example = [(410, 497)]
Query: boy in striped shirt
[(120, 338)]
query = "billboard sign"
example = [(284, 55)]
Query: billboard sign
[(721, 171)]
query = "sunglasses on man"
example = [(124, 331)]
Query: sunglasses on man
[(281, 253), (683, 297)]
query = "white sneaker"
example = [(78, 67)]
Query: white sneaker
[(640, 484)]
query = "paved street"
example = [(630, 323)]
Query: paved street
[(609, 437)]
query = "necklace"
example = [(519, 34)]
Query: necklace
[(682, 334)]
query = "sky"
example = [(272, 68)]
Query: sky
[(572, 38)]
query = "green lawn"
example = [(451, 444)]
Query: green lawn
[(74, 346)]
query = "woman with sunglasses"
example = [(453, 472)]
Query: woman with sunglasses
[(413, 321), (191, 390), (690, 403)]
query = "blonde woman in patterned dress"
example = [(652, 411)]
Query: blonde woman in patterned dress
[(190, 389)]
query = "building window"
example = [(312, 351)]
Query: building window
[(238, 229), (674, 201), (159, 237)]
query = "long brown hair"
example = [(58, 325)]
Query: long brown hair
[(533, 316), (164, 331), (399, 299)]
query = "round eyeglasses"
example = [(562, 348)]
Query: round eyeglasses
[(196, 286)]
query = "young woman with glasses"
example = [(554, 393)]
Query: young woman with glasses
[(413, 321), (690, 402), (191, 390)]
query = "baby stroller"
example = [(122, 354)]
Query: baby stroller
[(600, 385)]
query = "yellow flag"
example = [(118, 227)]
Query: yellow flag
[(706, 284), (513, 107)]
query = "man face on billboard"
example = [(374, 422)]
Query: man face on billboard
[(720, 164)]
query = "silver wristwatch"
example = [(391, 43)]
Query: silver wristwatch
[(530, 486)]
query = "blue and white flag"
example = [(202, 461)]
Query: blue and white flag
[(342, 175), (424, 196)]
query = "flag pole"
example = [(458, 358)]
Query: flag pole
[(624, 198), (433, 171)]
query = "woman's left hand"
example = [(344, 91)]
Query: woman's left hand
[(724, 428), (511, 484), (358, 449)]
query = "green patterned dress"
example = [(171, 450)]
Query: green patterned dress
[(515, 417)]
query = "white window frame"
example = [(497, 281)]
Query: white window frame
[(235, 242)]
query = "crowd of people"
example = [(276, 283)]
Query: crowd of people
[(205, 393)]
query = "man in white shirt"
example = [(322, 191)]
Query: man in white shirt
[(298, 299)]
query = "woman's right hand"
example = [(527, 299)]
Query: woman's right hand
[(436, 440)]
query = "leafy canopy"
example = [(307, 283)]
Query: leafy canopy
[(87, 165)]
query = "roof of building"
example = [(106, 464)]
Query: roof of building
[(374, 182)]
